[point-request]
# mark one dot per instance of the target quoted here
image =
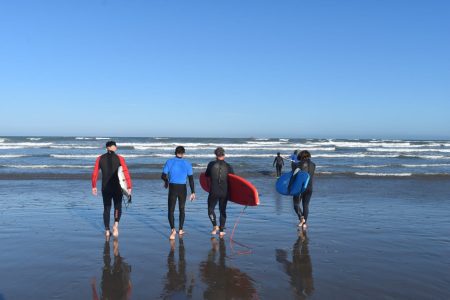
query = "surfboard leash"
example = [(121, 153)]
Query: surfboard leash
[(232, 241)]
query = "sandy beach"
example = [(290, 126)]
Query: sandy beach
[(368, 238)]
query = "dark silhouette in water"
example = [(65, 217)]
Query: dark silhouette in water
[(116, 283), (300, 269), (224, 282), (176, 280)]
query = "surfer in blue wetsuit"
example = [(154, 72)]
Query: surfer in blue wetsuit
[(174, 174), (218, 171), (278, 162), (304, 164)]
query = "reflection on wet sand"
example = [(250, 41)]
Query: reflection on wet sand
[(300, 269), (176, 280), (116, 283), (224, 282)]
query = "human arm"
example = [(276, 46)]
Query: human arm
[(95, 176)]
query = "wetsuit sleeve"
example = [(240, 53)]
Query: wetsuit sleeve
[(95, 172), (125, 171), (208, 169), (230, 169), (191, 183), (274, 161)]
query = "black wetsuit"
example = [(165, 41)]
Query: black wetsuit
[(109, 164), (279, 163), (308, 166), (218, 171)]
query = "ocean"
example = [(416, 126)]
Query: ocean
[(378, 223), (73, 157)]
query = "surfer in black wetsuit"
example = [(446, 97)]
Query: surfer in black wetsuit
[(278, 162), (218, 171), (109, 164), (304, 164)]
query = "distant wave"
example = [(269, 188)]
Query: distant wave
[(47, 166), (73, 146), (84, 138), (407, 150), (161, 138), (82, 156), (2, 140), (370, 166), (12, 155), (34, 139), (25, 145), (383, 174), (102, 138)]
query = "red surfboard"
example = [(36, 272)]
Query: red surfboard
[(241, 191)]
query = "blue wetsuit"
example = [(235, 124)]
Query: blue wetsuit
[(174, 174)]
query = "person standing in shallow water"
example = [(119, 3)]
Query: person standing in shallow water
[(109, 164), (218, 171), (278, 162), (304, 164), (174, 174), (294, 159)]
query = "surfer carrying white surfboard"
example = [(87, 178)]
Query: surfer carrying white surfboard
[(218, 171), (109, 164), (304, 164), (174, 174)]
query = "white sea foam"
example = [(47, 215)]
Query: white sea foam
[(284, 140), (383, 174), (47, 166), (90, 156), (12, 155), (355, 155), (2, 140), (26, 145), (102, 138), (161, 138), (73, 146), (424, 165), (34, 139), (370, 166), (74, 156), (407, 150), (83, 138)]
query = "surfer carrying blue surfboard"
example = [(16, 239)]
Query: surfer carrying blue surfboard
[(218, 171), (109, 164), (174, 174), (304, 164)]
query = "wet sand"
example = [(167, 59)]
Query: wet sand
[(367, 238)]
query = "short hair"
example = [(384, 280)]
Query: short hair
[(219, 152), (110, 143), (278, 153), (179, 150)]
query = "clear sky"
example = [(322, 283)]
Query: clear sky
[(304, 68)]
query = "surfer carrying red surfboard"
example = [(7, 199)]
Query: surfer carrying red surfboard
[(218, 171), (174, 174)]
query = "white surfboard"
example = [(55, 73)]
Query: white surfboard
[(123, 182)]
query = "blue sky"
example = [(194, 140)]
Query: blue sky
[(352, 69)]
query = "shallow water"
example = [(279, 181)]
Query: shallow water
[(367, 238)]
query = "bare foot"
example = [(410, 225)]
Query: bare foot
[(222, 234), (116, 229), (173, 234), (180, 232), (215, 229)]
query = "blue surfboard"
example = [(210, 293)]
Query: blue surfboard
[(291, 184)]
